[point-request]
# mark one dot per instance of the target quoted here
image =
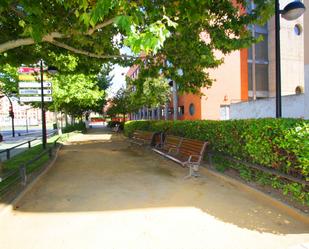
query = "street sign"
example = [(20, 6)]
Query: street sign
[(29, 70), (24, 84), (28, 77), (35, 99), (34, 91)]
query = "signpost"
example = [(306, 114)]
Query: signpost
[(31, 90), (35, 99), (25, 84), (34, 91)]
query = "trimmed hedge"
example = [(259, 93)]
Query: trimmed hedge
[(81, 126), (281, 144)]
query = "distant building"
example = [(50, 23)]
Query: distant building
[(23, 114)]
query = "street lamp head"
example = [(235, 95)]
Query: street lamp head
[(52, 70), (293, 10)]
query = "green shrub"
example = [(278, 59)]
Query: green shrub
[(280, 144), (76, 127)]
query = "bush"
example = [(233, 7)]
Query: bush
[(280, 144), (76, 127)]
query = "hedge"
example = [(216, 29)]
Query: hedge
[(280, 144), (81, 126)]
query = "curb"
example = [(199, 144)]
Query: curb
[(285, 208), (12, 205)]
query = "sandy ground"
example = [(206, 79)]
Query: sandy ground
[(104, 193)]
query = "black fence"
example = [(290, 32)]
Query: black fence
[(8, 152), (15, 180)]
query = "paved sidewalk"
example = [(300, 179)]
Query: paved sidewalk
[(103, 193)]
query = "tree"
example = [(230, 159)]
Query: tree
[(76, 94), (204, 28), (153, 93), (121, 103), (8, 79), (171, 30), (82, 27)]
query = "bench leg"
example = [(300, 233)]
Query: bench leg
[(193, 172)]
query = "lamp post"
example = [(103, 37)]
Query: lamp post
[(290, 12)]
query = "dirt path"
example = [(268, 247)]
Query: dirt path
[(102, 193)]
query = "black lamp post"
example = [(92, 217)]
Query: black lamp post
[(291, 12)]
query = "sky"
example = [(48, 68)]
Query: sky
[(119, 74)]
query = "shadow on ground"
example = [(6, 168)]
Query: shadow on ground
[(103, 172)]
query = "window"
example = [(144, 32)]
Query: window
[(250, 79), (298, 29), (181, 110), (261, 48), (261, 76), (191, 109), (258, 78)]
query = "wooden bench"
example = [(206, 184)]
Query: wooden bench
[(142, 137), (186, 152), (170, 143)]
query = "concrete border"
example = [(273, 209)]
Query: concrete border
[(12, 205), (287, 209)]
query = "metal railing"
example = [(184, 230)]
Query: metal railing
[(8, 150), (15, 180)]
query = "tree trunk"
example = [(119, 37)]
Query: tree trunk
[(66, 118), (166, 111), (175, 101)]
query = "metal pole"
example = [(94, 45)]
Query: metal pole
[(11, 114), (42, 108), (278, 61), (253, 66), (27, 130)]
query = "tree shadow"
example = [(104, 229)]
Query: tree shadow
[(110, 175)]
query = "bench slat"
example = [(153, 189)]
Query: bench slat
[(142, 137)]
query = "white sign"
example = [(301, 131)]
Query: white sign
[(35, 99), (34, 91), (25, 84)]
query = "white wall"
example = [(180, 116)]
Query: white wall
[(307, 91), (292, 55), (293, 106)]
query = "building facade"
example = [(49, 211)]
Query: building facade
[(24, 115)]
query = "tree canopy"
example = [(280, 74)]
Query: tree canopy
[(76, 94), (154, 93), (168, 32)]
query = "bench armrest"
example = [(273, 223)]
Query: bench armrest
[(198, 157)]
